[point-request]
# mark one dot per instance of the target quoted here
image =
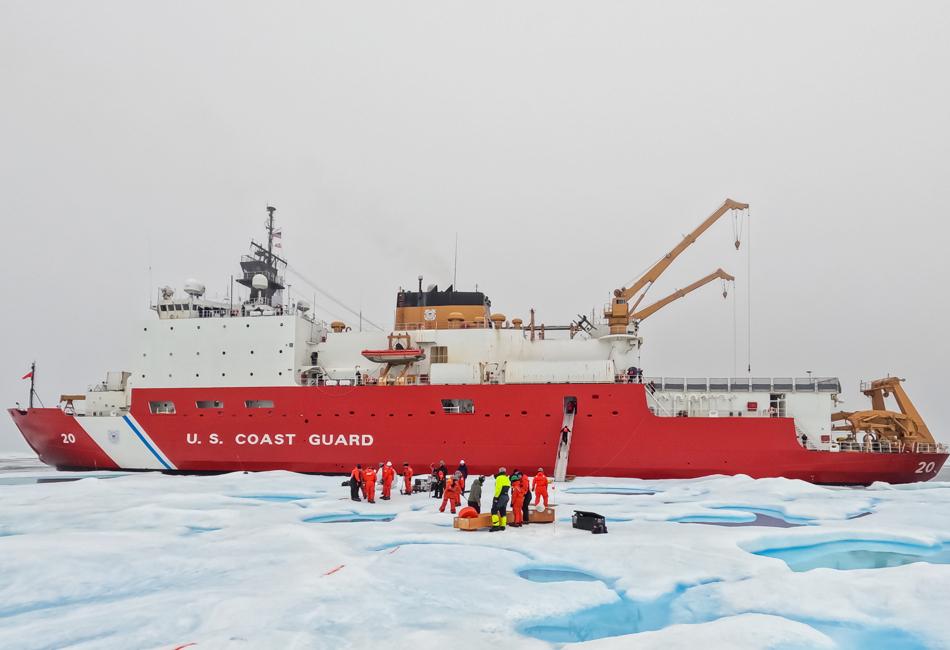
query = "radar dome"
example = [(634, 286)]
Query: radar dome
[(194, 288), (259, 281)]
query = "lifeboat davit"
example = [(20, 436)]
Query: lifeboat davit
[(395, 357)]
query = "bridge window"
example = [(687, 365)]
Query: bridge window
[(458, 406), (209, 404), (440, 354), (259, 403), (163, 407)]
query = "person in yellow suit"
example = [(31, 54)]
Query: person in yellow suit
[(499, 505)]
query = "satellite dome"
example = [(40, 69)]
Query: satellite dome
[(259, 281), (194, 288)]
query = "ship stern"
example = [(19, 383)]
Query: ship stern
[(59, 440)]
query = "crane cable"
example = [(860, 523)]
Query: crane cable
[(334, 299), (749, 289), (737, 226), (735, 335)]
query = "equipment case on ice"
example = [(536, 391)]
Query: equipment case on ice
[(591, 521)]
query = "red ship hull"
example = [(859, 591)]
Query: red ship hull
[(328, 429)]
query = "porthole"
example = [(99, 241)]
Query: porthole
[(524, 413), (248, 325), (615, 413)]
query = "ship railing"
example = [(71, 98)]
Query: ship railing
[(888, 447), (433, 325), (740, 384)]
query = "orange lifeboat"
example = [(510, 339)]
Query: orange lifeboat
[(395, 357)]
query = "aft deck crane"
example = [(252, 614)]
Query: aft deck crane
[(619, 312), (646, 312), (904, 428)]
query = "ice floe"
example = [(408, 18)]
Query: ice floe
[(250, 560)]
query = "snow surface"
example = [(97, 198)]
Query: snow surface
[(273, 560)]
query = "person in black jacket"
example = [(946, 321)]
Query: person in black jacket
[(439, 475), (463, 469)]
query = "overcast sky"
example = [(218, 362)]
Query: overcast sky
[(569, 144)]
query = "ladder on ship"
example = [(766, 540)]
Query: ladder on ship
[(564, 446)]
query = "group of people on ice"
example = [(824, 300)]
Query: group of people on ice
[(363, 481), (516, 489)]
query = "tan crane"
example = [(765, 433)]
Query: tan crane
[(618, 314), (646, 312), (905, 428)]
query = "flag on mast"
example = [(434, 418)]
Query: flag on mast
[(277, 240), (27, 375)]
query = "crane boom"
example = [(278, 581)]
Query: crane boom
[(618, 313), (680, 293)]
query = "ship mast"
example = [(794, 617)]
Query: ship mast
[(263, 261), (32, 382), (270, 234)]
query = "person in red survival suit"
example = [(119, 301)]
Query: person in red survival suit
[(450, 495), (517, 500), (369, 484), (356, 482), (540, 487), (407, 477), (389, 475)]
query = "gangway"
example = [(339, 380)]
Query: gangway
[(564, 446)]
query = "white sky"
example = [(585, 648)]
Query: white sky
[(569, 144)]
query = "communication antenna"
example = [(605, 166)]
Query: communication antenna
[(455, 267)]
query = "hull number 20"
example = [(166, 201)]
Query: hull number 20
[(924, 467), (68, 438)]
